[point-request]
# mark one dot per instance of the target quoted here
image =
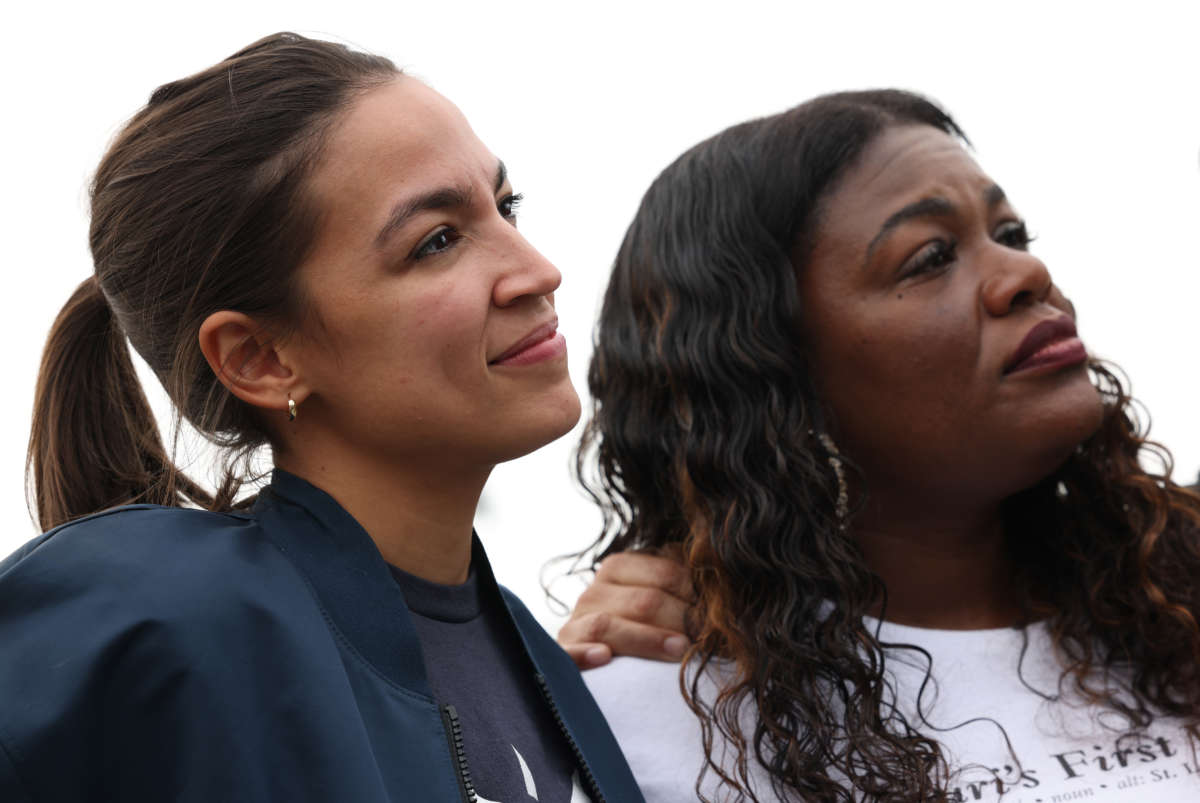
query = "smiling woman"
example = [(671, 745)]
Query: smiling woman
[(315, 252), (896, 506)]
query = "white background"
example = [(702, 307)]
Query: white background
[(1088, 114)]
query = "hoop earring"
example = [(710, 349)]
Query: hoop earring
[(291, 409), (842, 506)]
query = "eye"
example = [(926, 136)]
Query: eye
[(508, 206), (932, 258), (441, 240), (1014, 234)]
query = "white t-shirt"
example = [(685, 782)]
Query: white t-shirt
[(983, 691)]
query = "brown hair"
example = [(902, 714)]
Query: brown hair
[(197, 206)]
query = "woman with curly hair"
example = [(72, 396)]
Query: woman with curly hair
[(314, 252), (921, 558)]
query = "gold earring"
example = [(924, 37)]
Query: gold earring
[(291, 409), (842, 505)]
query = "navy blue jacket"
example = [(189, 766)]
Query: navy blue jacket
[(151, 653)]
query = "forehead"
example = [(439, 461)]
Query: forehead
[(399, 137), (902, 165)]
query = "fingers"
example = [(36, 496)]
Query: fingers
[(642, 569), (589, 656), (592, 639), (638, 604)]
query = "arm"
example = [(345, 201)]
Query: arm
[(635, 606)]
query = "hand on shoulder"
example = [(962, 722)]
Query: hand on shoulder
[(635, 606)]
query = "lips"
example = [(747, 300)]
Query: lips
[(527, 345), (1050, 342)]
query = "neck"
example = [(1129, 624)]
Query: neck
[(420, 515), (944, 568)]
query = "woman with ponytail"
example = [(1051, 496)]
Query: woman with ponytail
[(848, 442), (313, 252)]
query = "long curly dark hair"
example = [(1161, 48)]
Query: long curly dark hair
[(702, 433)]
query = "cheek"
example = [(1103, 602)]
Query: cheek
[(897, 354), (424, 334), (443, 334), (900, 380)]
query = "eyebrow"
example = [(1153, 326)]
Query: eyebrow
[(440, 198), (929, 207)]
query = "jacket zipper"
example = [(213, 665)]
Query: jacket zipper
[(459, 754), (593, 788)]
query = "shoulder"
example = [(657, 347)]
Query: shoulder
[(140, 561), (637, 689), (659, 733), (656, 730), (140, 529), (147, 630), (138, 595)]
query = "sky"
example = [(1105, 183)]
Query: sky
[(1086, 113)]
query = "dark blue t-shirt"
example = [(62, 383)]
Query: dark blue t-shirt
[(514, 748)]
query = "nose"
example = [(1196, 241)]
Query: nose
[(524, 272), (1016, 279)]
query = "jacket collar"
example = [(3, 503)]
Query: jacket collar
[(350, 578)]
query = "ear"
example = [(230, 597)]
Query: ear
[(248, 362)]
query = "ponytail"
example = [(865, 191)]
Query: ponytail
[(94, 443), (199, 205)]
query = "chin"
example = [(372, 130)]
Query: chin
[(1060, 433), (1086, 413), (544, 421), (566, 416)]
